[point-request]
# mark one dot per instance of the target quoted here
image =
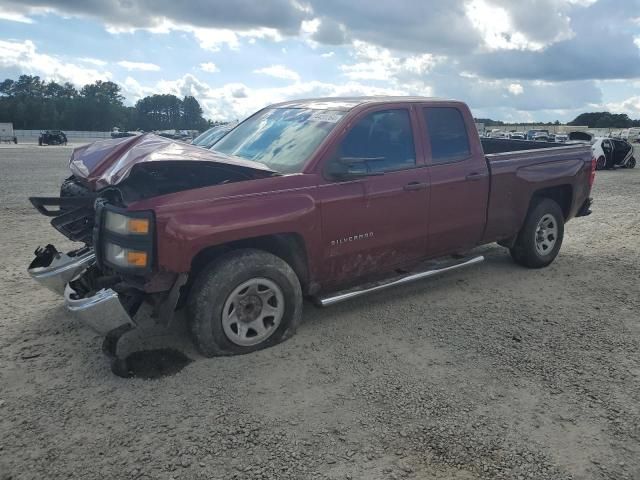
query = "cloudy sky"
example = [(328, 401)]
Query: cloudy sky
[(512, 60)]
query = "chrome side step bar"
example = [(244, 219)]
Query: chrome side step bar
[(348, 295)]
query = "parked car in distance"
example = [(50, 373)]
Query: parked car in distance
[(208, 138), (532, 133), (328, 198), (517, 136), (497, 133), (561, 137), (7, 135), (117, 133), (612, 152), (541, 137), (52, 137), (182, 135), (631, 134)]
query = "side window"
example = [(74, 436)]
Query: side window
[(447, 134), (381, 142)]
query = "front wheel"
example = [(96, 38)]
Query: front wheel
[(243, 302), (540, 239), (601, 163), (631, 163)]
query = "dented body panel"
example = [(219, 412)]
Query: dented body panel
[(109, 162)]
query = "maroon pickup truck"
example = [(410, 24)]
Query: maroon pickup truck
[(326, 198)]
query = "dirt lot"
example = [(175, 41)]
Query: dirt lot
[(491, 372)]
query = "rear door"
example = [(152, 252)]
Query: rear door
[(459, 179), (375, 223)]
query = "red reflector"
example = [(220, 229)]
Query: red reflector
[(592, 177)]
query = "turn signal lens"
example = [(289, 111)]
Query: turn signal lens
[(124, 257), (139, 226), (125, 225), (136, 259)]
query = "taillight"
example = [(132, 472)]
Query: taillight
[(592, 177)]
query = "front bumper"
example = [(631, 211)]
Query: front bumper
[(101, 310), (54, 270)]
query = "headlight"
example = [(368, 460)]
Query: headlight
[(125, 239), (125, 257), (123, 225)]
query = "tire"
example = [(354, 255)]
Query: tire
[(529, 249), (217, 291), (631, 163), (601, 163)]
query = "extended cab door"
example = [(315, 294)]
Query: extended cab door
[(459, 178), (374, 202)]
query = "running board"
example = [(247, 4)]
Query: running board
[(349, 294)]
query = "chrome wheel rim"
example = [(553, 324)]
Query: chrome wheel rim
[(252, 312), (546, 234)]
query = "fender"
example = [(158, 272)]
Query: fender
[(184, 230)]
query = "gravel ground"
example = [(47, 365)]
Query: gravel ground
[(491, 372)]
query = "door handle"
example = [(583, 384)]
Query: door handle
[(415, 186), (475, 176)]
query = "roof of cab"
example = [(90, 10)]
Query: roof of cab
[(347, 103)]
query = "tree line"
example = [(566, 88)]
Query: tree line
[(591, 120), (33, 104)]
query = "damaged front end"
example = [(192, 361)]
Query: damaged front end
[(88, 293), (105, 282)]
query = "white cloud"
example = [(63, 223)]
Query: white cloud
[(93, 61), (515, 89), (279, 71), (140, 66), (209, 67), (327, 55), (498, 22), (212, 39), (134, 91), (376, 63), (15, 17), (234, 101), (24, 57), (630, 106)]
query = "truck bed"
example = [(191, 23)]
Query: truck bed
[(520, 168), (504, 145)]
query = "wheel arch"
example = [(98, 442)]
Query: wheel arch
[(289, 246), (561, 194)]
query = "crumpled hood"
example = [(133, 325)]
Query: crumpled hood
[(109, 162)]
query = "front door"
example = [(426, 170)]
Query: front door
[(376, 222)]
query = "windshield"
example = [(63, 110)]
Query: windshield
[(210, 137), (281, 138)]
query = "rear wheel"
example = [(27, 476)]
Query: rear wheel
[(540, 239), (601, 163), (244, 301)]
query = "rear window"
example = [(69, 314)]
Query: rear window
[(447, 134)]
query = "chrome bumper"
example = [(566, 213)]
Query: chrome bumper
[(59, 269), (103, 311)]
